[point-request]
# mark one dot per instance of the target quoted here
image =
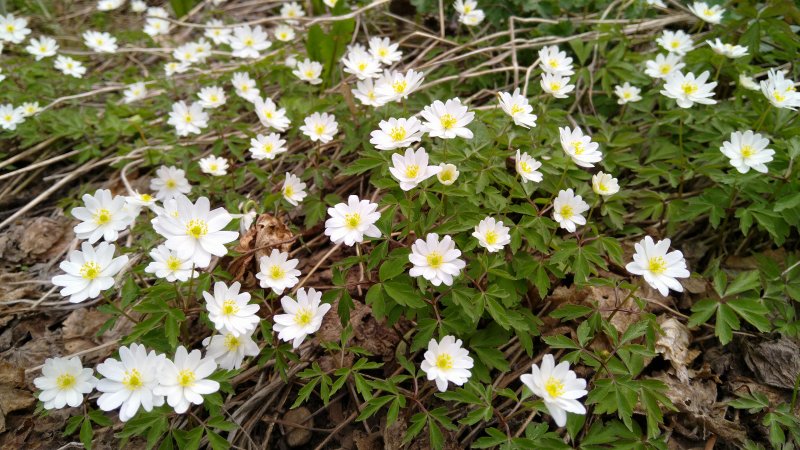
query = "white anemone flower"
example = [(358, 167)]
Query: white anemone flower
[(216, 33), (361, 64), (247, 42), (568, 209), (448, 174), (189, 119), (308, 71), (627, 93), (583, 151), (101, 42), (747, 151), (556, 85), (350, 222), (688, 89), (102, 216), (678, 42), (447, 362), (229, 351), (604, 184), (559, 388), (277, 271), (659, 267), (384, 50), (214, 165), (270, 115), (447, 120), (302, 317), (394, 86), (69, 66), (212, 97), (436, 260), (492, 234), (663, 66), (64, 382), (129, 382), (516, 106), (170, 182), (229, 309), (555, 61), (267, 147), (89, 271), (527, 168), (135, 92), (42, 47), (320, 127), (727, 50), (711, 14), (245, 87), (166, 264), (10, 117), (184, 381), (780, 92), (412, 168), (284, 33), (396, 133), (365, 93), (293, 189)]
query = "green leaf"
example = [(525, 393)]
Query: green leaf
[(404, 294), (744, 282), (87, 434), (217, 442)]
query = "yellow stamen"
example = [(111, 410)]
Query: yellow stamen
[(229, 307), (657, 265), (554, 387), (303, 317), (65, 381), (412, 170), (566, 211), (186, 378), (102, 216), (447, 121), (132, 380), (434, 260), (90, 270), (444, 361), (397, 134), (197, 228), (352, 221), (231, 342)]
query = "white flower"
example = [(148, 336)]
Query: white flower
[(780, 91), (108, 5), (217, 35), (213, 165), (13, 29), (173, 67), (10, 117), (277, 271), (604, 184), (292, 11), (658, 267), (527, 168), (42, 47), (320, 127), (516, 106), (100, 41), (270, 115), (284, 33), (350, 222), (473, 18), (170, 182), (465, 6), (447, 120), (184, 382), (365, 93), (294, 190), (69, 66), (89, 271), (139, 200), (167, 265), (129, 382), (657, 3), (711, 14), (436, 261), (567, 210), (330, 3), (688, 90), (302, 317), (555, 62), (448, 174), (156, 25), (134, 92), (102, 216), (491, 234), (675, 41), (395, 86), (138, 6), (558, 387), (396, 133), (248, 42), (30, 108), (361, 64), (196, 233), (663, 65), (412, 168), (728, 50), (747, 151), (308, 70), (188, 119), (290, 61), (556, 85), (748, 82), (229, 309), (627, 93), (267, 147), (579, 147), (229, 351), (212, 97), (245, 86), (447, 362), (384, 50), (64, 382)]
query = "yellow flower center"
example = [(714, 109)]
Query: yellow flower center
[(283, 36), (309, 74), (197, 228), (267, 148), (276, 272), (399, 86), (579, 147), (102, 216), (689, 88), (657, 265), (10, 28), (229, 307), (516, 109), (524, 167), (675, 44), (90, 270), (602, 187), (467, 9), (412, 170), (444, 361), (248, 42), (553, 63), (383, 52), (554, 387), (244, 88), (303, 317), (173, 263), (626, 95), (352, 221), (566, 211), (397, 134), (491, 237), (42, 49), (214, 98), (171, 183), (132, 380), (187, 118), (186, 378), (554, 86), (268, 114), (447, 121), (747, 151), (7, 117), (319, 129), (213, 167), (666, 68), (288, 191), (231, 342), (362, 66), (778, 96), (65, 381), (434, 260), (446, 175), (708, 12)]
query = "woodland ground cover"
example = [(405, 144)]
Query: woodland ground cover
[(391, 224)]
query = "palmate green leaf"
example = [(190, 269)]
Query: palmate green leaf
[(742, 283), (403, 293), (753, 311)]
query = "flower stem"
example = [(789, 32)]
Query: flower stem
[(761, 119)]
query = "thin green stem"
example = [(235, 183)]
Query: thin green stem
[(761, 119)]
